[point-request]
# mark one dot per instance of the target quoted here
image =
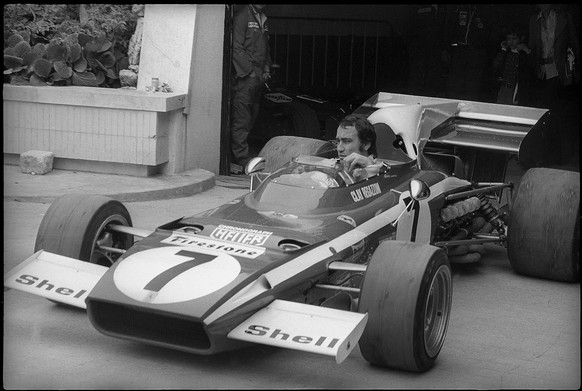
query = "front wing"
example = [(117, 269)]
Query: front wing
[(282, 323)]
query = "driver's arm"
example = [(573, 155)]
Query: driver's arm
[(362, 167)]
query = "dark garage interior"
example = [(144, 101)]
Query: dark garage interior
[(345, 53), (352, 48)]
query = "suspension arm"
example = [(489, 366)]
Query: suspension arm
[(469, 193), (142, 233), (480, 240)]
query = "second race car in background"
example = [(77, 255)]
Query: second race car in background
[(287, 112)]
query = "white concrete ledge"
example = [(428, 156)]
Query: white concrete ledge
[(110, 126), (115, 98)]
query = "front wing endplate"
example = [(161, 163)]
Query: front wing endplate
[(304, 327), (55, 277)]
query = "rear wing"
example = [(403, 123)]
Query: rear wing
[(489, 126), (510, 129)]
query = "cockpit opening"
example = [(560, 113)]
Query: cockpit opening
[(314, 173)]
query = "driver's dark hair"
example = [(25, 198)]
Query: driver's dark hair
[(365, 129)]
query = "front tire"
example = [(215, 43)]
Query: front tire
[(543, 236), (75, 225), (407, 292)]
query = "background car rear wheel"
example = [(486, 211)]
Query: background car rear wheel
[(279, 150), (75, 225), (303, 120), (544, 225), (407, 292)]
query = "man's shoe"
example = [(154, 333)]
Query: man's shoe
[(236, 169)]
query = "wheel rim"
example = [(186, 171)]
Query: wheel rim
[(437, 310), (105, 239)]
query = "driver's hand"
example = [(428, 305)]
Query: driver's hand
[(355, 160), (359, 174)]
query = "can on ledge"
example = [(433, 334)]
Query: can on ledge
[(155, 84)]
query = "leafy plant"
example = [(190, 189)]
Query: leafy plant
[(66, 44), (76, 59)]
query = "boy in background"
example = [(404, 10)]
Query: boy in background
[(513, 65)]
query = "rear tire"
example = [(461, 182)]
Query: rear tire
[(407, 292), (304, 120), (76, 224), (281, 149), (544, 225)]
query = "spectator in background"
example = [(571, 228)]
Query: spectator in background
[(252, 68), (468, 34), (551, 34), (426, 70), (554, 44), (512, 65)]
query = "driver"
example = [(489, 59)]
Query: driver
[(356, 145)]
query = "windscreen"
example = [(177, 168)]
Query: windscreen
[(304, 185)]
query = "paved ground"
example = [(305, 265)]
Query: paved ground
[(506, 331), (22, 187)]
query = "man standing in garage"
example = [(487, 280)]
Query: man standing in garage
[(251, 61), (468, 32), (426, 74)]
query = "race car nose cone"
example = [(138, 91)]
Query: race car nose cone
[(174, 274)]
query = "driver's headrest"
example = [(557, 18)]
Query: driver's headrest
[(403, 120), (387, 144)]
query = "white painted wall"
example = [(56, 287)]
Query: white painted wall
[(183, 45), (166, 52), (205, 93)]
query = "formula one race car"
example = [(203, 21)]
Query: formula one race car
[(312, 259)]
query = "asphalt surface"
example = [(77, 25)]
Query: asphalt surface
[(506, 331), (23, 187)]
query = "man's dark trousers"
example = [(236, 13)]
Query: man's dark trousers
[(246, 93)]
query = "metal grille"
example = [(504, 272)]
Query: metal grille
[(336, 53)]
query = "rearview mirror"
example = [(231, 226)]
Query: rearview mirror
[(418, 190), (255, 165)]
